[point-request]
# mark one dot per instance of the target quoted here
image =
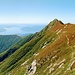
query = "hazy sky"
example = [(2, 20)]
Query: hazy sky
[(36, 11)]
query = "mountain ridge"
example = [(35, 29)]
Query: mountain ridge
[(49, 52)]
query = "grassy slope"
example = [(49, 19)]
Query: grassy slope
[(16, 46), (56, 47), (22, 51)]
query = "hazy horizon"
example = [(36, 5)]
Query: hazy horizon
[(20, 29)]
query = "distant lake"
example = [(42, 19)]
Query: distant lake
[(20, 29)]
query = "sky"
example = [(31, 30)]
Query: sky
[(36, 11)]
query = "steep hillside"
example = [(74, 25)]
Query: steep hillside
[(16, 46), (8, 40), (50, 52)]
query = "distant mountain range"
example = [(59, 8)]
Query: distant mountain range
[(48, 52)]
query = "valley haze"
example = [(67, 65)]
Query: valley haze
[(20, 29)]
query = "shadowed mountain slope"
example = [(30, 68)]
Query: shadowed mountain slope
[(8, 40)]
